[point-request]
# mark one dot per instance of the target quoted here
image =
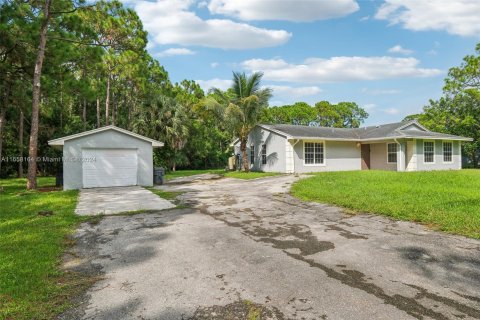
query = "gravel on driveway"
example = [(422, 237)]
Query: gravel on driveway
[(247, 248)]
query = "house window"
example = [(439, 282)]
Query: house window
[(314, 153), (428, 152), (392, 152), (252, 154), (264, 154), (447, 151)]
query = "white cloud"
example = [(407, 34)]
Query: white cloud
[(171, 22), (175, 52), (460, 17), (378, 92), (369, 106), (339, 69), (365, 18), (278, 91), (214, 64), (287, 91), (289, 10), (221, 84), (202, 4), (398, 49), (391, 111)]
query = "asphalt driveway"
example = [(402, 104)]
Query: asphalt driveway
[(248, 245)]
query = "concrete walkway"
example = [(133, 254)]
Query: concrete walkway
[(119, 199)]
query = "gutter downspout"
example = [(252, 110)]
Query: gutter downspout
[(400, 162), (293, 151)]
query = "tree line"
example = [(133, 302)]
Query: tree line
[(458, 110), (69, 65)]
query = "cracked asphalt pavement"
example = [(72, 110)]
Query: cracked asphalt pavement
[(248, 248)]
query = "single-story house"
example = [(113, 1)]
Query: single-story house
[(402, 146), (106, 157)]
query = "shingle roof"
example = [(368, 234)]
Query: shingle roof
[(385, 131), (61, 141), (306, 131)]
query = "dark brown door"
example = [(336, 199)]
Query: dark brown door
[(365, 157)]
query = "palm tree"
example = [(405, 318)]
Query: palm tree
[(240, 107), (166, 120)]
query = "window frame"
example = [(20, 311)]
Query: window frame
[(264, 154), (433, 142), (252, 154), (324, 163), (396, 152), (451, 151)]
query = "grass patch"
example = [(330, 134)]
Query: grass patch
[(31, 246), (187, 173), (254, 312), (168, 195), (249, 175), (222, 172), (445, 200)]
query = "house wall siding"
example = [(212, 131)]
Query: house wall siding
[(439, 164), (110, 139), (339, 156), (378, 158), (276, 150)]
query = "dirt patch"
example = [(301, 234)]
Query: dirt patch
[(423, 293), (239, 310), (303, 240), (49, 189), (356, 279), (345, 233)]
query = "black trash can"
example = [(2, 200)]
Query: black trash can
[(158, 175), (59, 179)]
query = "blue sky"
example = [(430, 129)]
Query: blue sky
[(388, 56)]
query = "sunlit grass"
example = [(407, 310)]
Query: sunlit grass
[(31, 245), (445, 200)]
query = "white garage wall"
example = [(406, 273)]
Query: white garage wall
[(72, 153)]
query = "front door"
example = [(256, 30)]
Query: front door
[(365, 157)]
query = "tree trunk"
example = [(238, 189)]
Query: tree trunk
[(20, 146), (61, 105), (3, 113), (84, 114), (107, 101), (33, 146), (243, 148), (114, 107), (98, 112)]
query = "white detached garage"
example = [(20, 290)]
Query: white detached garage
[(106, 157)]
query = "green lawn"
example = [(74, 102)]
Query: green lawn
[(31, 246), (230, 174), (249, 175), (445, 200), (187, 173)]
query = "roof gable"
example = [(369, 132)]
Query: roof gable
[(61, 141), (413, 125)]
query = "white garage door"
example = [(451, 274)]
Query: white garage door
[(109, 167)]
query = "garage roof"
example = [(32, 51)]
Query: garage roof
[(61, 141)]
